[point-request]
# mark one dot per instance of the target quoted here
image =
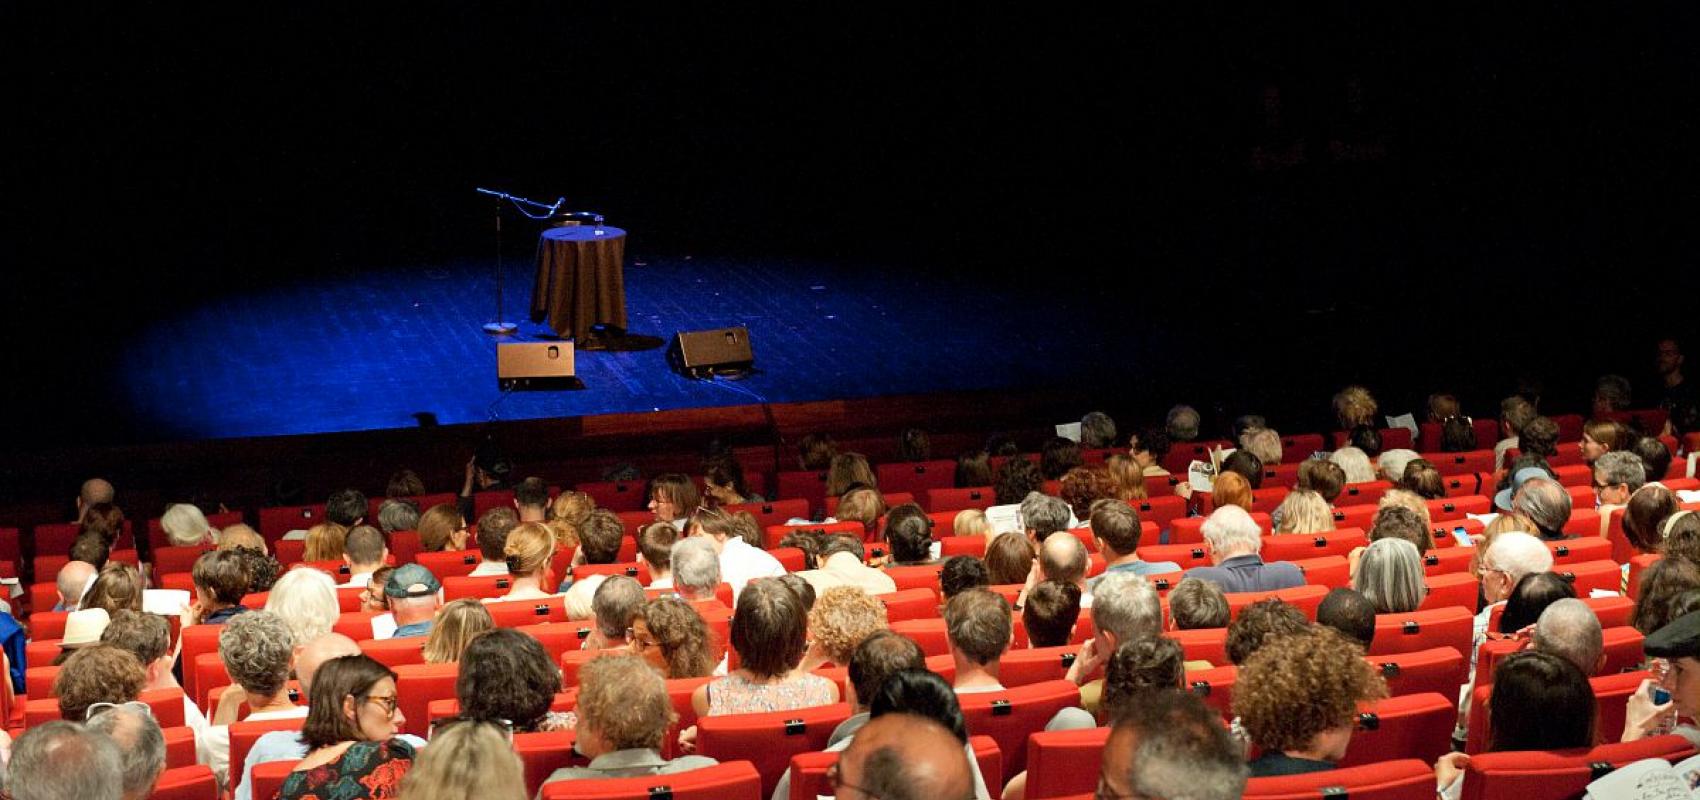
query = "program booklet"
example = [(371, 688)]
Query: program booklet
[(1650, 779)]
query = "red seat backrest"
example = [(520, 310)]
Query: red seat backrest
[(1438, 669), (729, 780), (952, 499), (279, 520), (542, 754), (1402, 779), (773, 534), (1577, 551), (557, 637), (1283, 474), (1559, 773), (268, 778), (1423, 630), (910, 604), (1329, 571), (915, 477), (774, 512), (483, 587), (1584, 522), (1448, 561), (1064, 763), (1306, 598), (1365, 493), (48, 624), (1162, 511), (616, 495), (1026, 666), (1186, 555), (446, 564), (1463, 463), (394, 653), (166, 705), (962, 546), (1294, 546), (1203, 644), (768, 740), (515, 613), (1451, 508), (630, 569), (1410, 726), (1588, 576), (1637, 565), (1356, 515), (416, 686), (1009, 716), (574, 660), (1215, 686), (1466, 485), (1298, 447), (1268, 498), (197, 641), (194, 782), (243, 735), (1455, 589), (930, 634), (177, 559)]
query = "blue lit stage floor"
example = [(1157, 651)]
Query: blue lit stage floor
[(372, 350)]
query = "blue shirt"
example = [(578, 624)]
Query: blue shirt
[(223, 615), (1250, 574), (416, 629)]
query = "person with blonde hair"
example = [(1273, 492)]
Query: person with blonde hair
[(467, 760), (530, 550), (567, 512), (324, 542), (1354, 406), (1303, 511), (841, 618), (1264, 443), (1127, 479), (970, 522), (457, 624), (623, 715)]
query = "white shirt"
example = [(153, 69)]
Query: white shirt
[(357, 580), (845, 569), (214, 747), (383, 626), (665, 582), (740, 563), (488, 568)]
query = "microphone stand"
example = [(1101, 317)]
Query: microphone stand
[(501, 326)]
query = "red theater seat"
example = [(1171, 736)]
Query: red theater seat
[(1294, 546), (769, 740), (1589, 576), (922, 577), (774, 534), (1410, 726), (446, 564), (1456, 589), (195, 782), (1542, 774), (734, 780), (1023, 667), (950, 499), (774, 512), (1403, 779), (243, 735), (1438, 669), (1306, 598), (1448, 561), (915, 477), (1423, 630), (1451, 508), (483, 587), (542, 754), (517, 613), (268, 778), (1064, 763), (910, 604), (616, 495), (1009, 716), (930, 634), (1214, 686), (416, 686), (279, 520), (1186, 555), (395, 653)]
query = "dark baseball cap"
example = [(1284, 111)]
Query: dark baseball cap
[(411, 580)]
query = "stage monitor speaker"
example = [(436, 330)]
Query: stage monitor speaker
[(717, 350), (535, 365)]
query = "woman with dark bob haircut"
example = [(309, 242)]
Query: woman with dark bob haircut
[(350, 733), (1539, 702), (506, 675), (769, 631)]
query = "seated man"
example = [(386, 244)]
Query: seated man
[(1545, 502), (1570, 630), (1233, 540), (493, 530), (73, 581), (623, 715), (696, 572), (1124, 608), (840, 560), (141, 747), (287, 745), (364, 552), (1195, 604), (1063, 559), (980, 629), (1050, 613), (414, 595), (904, 755), (1349, 612), (961, 573), (221, 581), (148, 638), (616, 601), (1170, 744), (1115, 526), (60, 760), (1259, 624), (531, 501), (655, 548), (1297, 698)]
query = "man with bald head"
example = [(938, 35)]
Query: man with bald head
[(287, 745), (904, 757), (1064, 559), (1570, 630), (95, 491), (73, 581)]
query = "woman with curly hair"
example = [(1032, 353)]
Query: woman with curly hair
[(671, 636), (841, 618), (1082, 486), (1354, 406), (507, 675), (1297, 698), (1016, 479)]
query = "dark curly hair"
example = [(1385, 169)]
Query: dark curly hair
[(1296, 687), (1259, 624), (506, 674), (1016, 479), (262, 569)]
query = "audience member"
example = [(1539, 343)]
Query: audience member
[(457, 625), (466, 761), (1116, 530), (64, 761), (324, 542), (529, 553), (1350, 613), (1009, 559), (1151, 664), (1196, 603), (1354, 463), (1043, 515), (364, 551), (1617, 475), (1264, 443), (970, 522), (815, 452), (1539, 702), (1015, 480), (655, 549), (739, 562), (98, 673), (186, 526), (353, 751), (1661, 584), (1655, 457), (1233, 540), (1297, 698), (973, 470), (1545, 502), (849, 470), (672, 637), (623, 715), (73, 580), (1063, 559), (1259, 624), (397, 514), (980, 628), (909, 534), (116, 587), (1512, 555), (1124, 608), (531, 502), (1182, 423), (839, 620), (1081, 487), (442, 527), (148, 638), (1570, 630), (1366, 439), (567, 514), (1391, 465), (1390, 576), (257, 650), (614, 604), (1148, 449), (83, 628), (1303, 511), (1231, 489), (1644, 515), (696, 569), (305, 599), (1127, 480), (1423, 479), (493, 530), (140, 743), (220, 584), (1530, 597), (1049, 613), (507, 675), (1326, 478), (1457, 434), (904, 756), (414, 597), (1171, 745), (769, 631), (960, 573)]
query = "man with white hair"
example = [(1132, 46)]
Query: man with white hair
[(141, 746), (696, 568), (1570, 630), (1234, 540), (186, 526), (1391, 465), (73, 582), (1124, 608), (1545, 502), (1512, 555), (61, 760)]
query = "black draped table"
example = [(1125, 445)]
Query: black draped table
[(581, 280)]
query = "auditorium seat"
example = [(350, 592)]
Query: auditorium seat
[(1401, 779), (1306, 598), (1589, 576), (891, 499), (1584, 522), (1203, 644), (950, 499), (729, 780), (446, 564), (197, 641), (631, 569), (773, 534), (542, 754), (1026, 666), (915, 477), (1613, 611), (1466, 485), (1451, 508), (482, 587), (517, 613), (1611, 698), (166, 705), (180, 749), (395, 653), (929, 633), (768, 740), (920, 577), (1186, 555), (808, 770), (356, 625), (1437, 669), (1554, 774), (439, 710), (38, 681), (773, 512), (1578, 551), (416, 686), (1461, 463), (1638, 565), (616, 495), (679, 693), (177, 559), (910, 604), (268, 778), (48, 566), (1009, 716), (1283, 474), (1622, 649), (1354, 515), (1423, 630), (1448, 561), (279, 520), (1294, 546), (1365, 493), (194, 782), (1328, 571), (1215, 686), (1268, 498), (1456, 589), (48, 624), (1064, 763), (1408, 726)]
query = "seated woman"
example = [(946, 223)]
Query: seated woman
[(1009, 559), (1391, 576), (909, 534), (350, 733), (324, 542), (506, 675), (1303, 511), (769, 631), (1297, 700), (441, 528), (116, 587), (671, 636), (530, 551), (723, 482), (567, 512), (257, 650), (839, 620), (673, 499), (1127, 480), (1531, 596), (467, 761), (623, 713), (458, 623), (1539, 702)]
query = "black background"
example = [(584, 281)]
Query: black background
[(1532, 208)]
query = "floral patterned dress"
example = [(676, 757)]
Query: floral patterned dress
[(366, 770)]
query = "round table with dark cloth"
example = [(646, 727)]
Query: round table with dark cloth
[(581, 279)]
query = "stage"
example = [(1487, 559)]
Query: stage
[(392, 348)]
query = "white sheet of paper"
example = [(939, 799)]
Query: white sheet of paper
[(164, 602), (1201, 475), (1069, 431), (1647, 779), (1406, 421)]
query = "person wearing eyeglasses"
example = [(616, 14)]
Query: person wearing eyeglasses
[(903, 755), (351, 732), (671, 637)]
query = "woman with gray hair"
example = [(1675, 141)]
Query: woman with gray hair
[(305, 599), (257, 650), (1390, 575), (1355, 463), (186, 526)]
